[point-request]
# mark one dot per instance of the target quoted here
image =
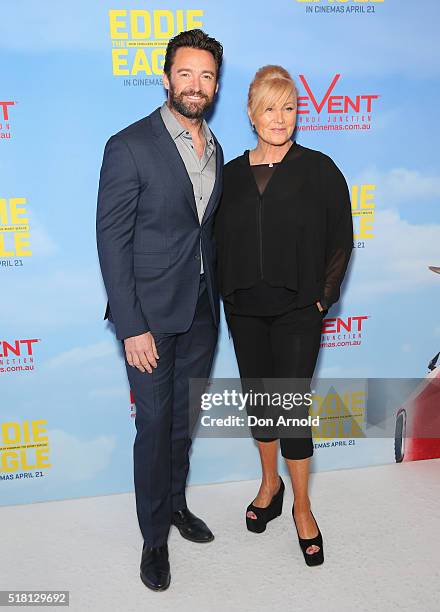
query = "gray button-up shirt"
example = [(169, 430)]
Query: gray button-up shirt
[(201, 171)]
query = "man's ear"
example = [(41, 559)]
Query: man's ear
[(216, 87), (165, 81)]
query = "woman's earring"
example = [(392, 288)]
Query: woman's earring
[(253, 126)]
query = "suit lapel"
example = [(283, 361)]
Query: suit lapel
[(168, 150), (214, 197)]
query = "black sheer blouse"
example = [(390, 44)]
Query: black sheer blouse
[(261, 299), (284, 234)]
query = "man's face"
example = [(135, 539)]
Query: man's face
[(193, 82)]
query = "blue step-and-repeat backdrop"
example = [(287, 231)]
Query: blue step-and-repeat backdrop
[(72, 74)]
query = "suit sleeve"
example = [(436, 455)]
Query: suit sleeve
[(339, 232), (118, 196)]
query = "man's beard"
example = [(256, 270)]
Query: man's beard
[(190, 110)]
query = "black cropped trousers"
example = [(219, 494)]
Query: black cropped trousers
[(273, 347)]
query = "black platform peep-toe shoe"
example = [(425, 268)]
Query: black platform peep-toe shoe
[(315, 558), (264, 515)]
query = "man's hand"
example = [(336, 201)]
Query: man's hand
[(141, 352)]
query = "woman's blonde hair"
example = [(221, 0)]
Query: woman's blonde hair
[(271, 84)]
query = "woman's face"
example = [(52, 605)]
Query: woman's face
[(275, 124)]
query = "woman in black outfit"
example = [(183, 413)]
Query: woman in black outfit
[(284, 235)]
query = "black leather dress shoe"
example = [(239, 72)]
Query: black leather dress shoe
[(155, 567), (191, 527)]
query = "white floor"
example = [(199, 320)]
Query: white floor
[(381, 535)]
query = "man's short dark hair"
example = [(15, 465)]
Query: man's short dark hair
[(196, 39)]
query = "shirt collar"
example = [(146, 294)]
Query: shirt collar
[(176, 129)]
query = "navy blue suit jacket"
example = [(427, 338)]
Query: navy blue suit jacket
[(148, 232)]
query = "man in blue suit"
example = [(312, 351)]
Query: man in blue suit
[(159, 187)]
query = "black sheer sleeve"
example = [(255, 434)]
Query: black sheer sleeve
[(339, 239)]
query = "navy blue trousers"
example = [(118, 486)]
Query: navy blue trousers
[(163, 436)]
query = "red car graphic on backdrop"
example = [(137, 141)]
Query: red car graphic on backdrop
[(417, 434)]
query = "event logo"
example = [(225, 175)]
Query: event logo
[(132, 405), (24, 450), (334, 110), (362, 208), (349, 7), (139, 40), (5, 122), (14, 232), (342, 332), (17, 355), (341, 416)]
